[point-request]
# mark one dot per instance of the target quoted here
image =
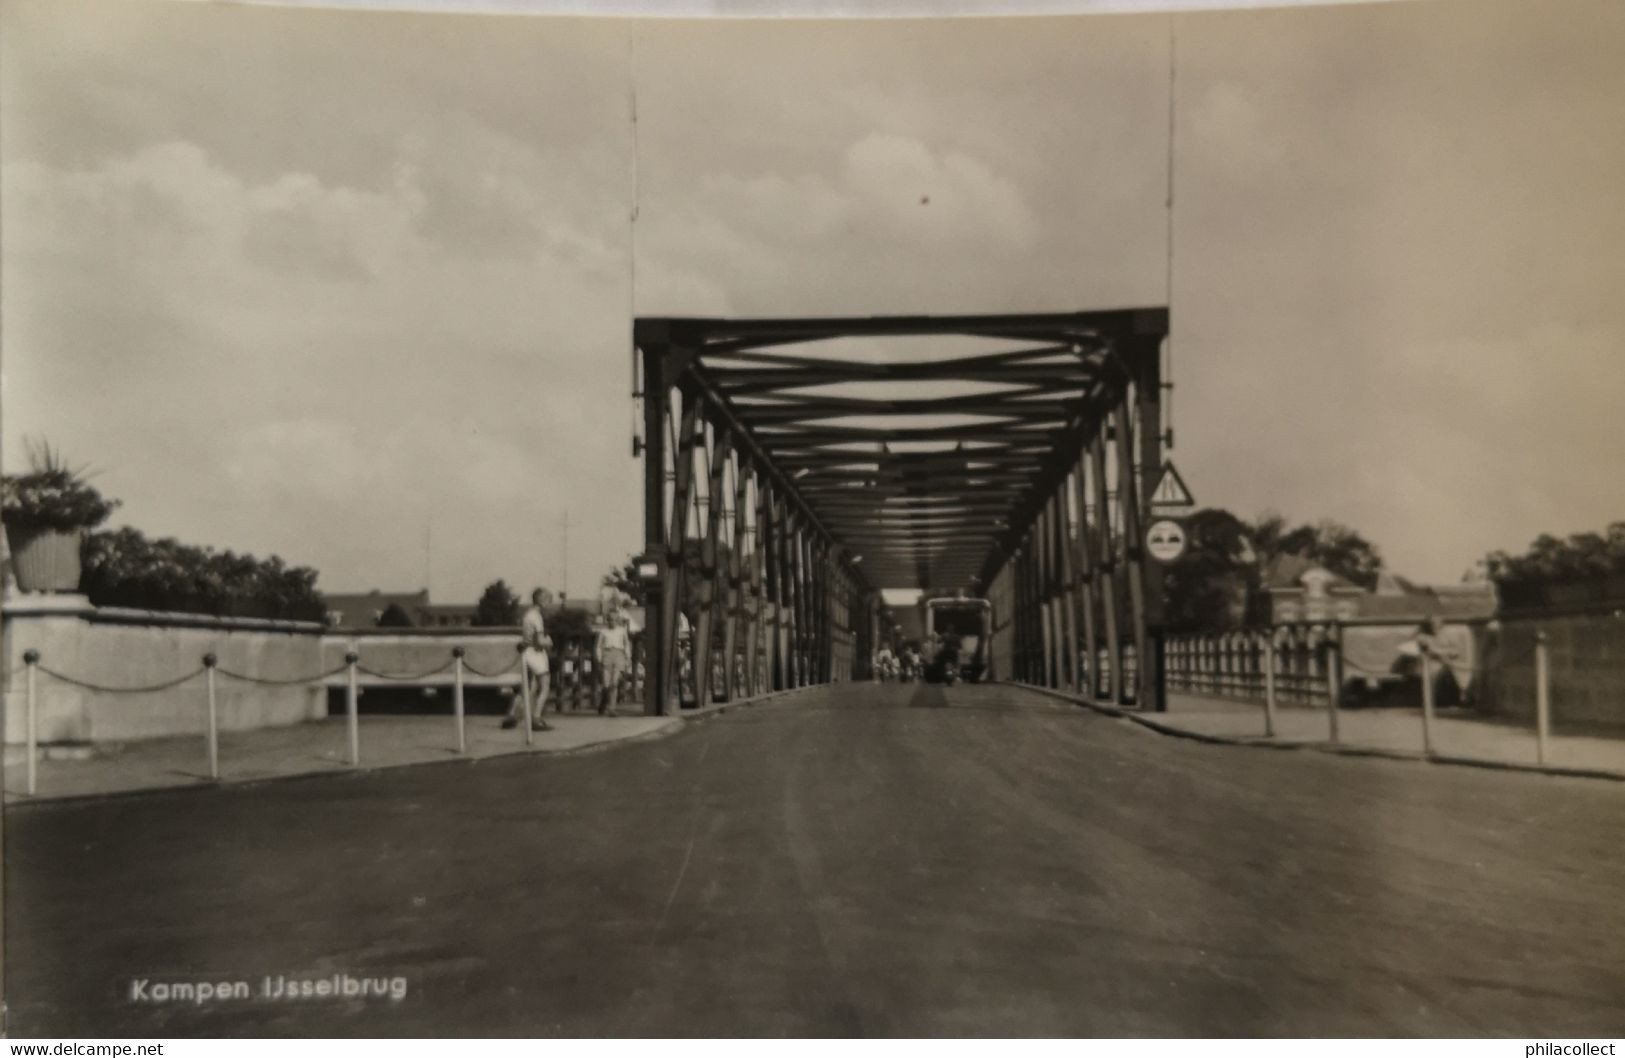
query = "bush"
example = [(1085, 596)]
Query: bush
[(498, 606), (124, 568), (394, 616), (1551, 560)]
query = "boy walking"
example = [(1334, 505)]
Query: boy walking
[(613, 652), (533, 666)]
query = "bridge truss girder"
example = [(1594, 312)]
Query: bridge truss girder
[(776, 523)]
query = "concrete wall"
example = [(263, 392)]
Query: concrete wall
[(131, 648), (1587, 661)]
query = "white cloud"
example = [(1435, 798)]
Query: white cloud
[(896, 226), (904, 189), (273, 355), (1231, 129), (396, 286)]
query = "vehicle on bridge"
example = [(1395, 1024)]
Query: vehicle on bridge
[(957, 631)]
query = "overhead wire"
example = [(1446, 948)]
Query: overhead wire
[(1167, 403)]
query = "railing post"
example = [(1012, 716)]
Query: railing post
[(1268, 661), (1427, 700), (209, 662), (31, 659), (524, 689), (352, 709), (1334, 680), (457, 698), (1543, 698)]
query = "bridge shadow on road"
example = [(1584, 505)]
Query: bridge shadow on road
[(992, 698)]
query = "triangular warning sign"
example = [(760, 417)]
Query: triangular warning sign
[(1171, 492)]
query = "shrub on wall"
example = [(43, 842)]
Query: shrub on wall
[(122, 567), (498, 606), (395, 616), (1584, 570), (1553, 560)]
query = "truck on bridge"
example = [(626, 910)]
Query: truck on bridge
[(957, 632)]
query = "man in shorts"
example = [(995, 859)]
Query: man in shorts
[(612, 650), (533, 666)]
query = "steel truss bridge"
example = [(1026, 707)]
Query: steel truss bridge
[(795, 468)]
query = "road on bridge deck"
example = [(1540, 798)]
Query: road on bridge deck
[(869, 860)]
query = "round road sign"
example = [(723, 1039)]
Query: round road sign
[(1165, 540)]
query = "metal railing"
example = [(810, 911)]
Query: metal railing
[(1301, 663), (1095, 680)]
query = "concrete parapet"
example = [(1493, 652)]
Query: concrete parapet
[(136, 674)]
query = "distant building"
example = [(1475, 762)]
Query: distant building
[(1300, 590), (363, 609), (1374, 655), (446, 615)]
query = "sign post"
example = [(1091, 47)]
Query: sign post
[(1165, 540), (1171, 496), (1168, 501)]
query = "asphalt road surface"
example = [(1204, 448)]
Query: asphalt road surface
[(877, 860)]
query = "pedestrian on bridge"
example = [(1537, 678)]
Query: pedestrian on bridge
[(612, 650), (534, 667), (910, 664), (885, 664)]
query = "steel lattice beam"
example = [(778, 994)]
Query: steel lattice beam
[(1028, 491)]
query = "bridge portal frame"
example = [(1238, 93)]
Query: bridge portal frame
[(764, 559)]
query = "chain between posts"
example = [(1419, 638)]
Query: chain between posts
[(87, 685), (511, 666), (211, 664), (413, 676), (329, 674), (212, 669)]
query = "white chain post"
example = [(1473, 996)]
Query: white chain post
[(1269, 683), (1427, 700), (524, 689), (352, 710), (209, 662), (457, 698), (1334, 682), (1543, 699), (31, 659)]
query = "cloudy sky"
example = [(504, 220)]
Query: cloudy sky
[(316, 283)]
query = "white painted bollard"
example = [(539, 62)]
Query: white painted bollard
[(1543, 699), (1269, 684), (209, 662), (1334, 679), (457, 698), (524, 689), (31, 659), (1427, 701), (352, 709)]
